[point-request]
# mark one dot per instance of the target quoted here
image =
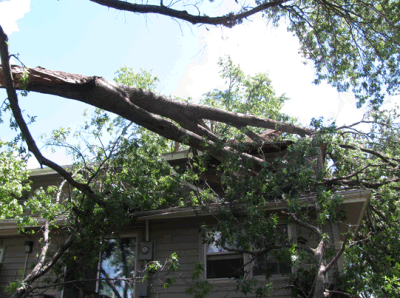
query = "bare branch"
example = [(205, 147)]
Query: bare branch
[(228, 20), (327, 181), (370, 151), (337, 256), (110, 284), (45, 268)]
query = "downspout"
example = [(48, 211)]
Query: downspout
[(147, 231), (26, 264)]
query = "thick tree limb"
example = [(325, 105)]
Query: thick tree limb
[(42, 266), (228, 20), (144, 108), (109, 96), (319, 282)]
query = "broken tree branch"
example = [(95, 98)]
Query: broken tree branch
[(109, 96)]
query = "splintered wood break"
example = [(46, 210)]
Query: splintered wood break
[(40, 75)]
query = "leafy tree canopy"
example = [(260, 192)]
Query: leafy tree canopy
[(13, 175)]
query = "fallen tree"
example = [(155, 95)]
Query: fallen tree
[(336, 37)]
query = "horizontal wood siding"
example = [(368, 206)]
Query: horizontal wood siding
[(14, 263), (181, 236), (169, 236)]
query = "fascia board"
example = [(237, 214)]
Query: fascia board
[(179, 212), (45, 171), (9, 226), (185, 154), (348, 197)]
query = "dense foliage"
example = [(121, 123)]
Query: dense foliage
[(13, 174)]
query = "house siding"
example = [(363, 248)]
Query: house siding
[(179, 236), (14, 263), (182, 236)]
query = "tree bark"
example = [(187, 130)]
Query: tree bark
[(228, 20), (109, 96), (42, 269), (145, 108), (319, 287)]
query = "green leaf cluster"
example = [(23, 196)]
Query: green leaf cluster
[(352, 44)]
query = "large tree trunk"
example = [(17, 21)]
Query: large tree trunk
[(319, 288)]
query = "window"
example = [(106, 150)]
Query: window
[(266, 264), (118, 261), (223, 264), (2, 249), (220, 263)]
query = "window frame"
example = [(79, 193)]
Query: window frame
[(290, 234), (2, 254), (246, 258), (224, 255)]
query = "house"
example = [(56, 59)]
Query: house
[(155, 234)]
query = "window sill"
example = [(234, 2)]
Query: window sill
[(231, 280), (273, 277), (220, 280)]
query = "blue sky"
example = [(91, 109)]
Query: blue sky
[(82, 37)]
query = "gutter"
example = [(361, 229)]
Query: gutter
[(8, 226), (352, 196)]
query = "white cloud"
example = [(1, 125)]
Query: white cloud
[(258, 48), (10, 12)]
